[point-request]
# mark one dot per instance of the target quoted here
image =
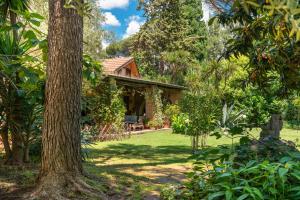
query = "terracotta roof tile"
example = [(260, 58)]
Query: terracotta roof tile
[(112, 64)]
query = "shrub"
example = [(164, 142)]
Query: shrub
[(180, 123), (154, 95), (253, 180), (172, 111), (292, 113), (105, 108), (155, 124)]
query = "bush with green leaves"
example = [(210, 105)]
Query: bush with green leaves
[(180, 123), (22, 79), (252, 169), (105, 108), (292, 113), (253, 180), (203, 113), (154, 95), (171, 111)]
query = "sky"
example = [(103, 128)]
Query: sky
[(121, 16), (124, 19)]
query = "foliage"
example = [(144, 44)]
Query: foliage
[(105, 107), (92, 31), (232, 125), (258, 105), (180, 123), (292, 113), (200, 119), (202, 112), (217, 37), (22, 77), (120, 48), (267, 32), (154, 95), (271, 150), (253, 180), (172, 28), (171, 111), (91, 71)]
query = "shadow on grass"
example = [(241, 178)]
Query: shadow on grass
[(151, 155), (16, 180), (99, 160)]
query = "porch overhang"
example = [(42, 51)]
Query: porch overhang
[(137, 82)]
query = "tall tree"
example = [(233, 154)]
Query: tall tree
[(268, 33), (92, 30), (13, 114), (173, 32), (61, 164)]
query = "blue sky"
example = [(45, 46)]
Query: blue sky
[(122, 17)]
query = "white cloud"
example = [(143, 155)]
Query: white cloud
[(206, 11), (134, 24), (110, 4), (105, 44), (111, 20)]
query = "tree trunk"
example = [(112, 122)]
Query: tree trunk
[(195, 142), (13, 21), (5, 140), (61, 166), (15, 121), (17, 148), (26, 157), (272, 129), (15, 117)]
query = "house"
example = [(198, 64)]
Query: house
[(126, 74)]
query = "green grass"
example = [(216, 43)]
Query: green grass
[(140, 166), (135, 168)]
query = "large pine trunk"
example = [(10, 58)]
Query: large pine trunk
[(61, 160)]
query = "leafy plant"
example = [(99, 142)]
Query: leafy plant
[(105, 108), (253, 180), (154, 95), (292, 113), (180, 123), (22, 56), (202, 110), (171, 111)]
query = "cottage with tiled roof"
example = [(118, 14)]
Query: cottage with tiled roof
[(123, 66), (126, 74)]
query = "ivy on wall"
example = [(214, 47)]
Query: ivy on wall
[(106, 108), (153, 95)]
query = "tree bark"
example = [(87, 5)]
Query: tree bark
[(5, 140), (272, 129), (13, 21), (15, 117), (195, 142), (61, 159), (17, 148), (15, 124), (26, 157)]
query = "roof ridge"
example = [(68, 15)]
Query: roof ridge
[(112, 64)]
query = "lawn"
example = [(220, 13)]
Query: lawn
[(134, 168), (138, 167)]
